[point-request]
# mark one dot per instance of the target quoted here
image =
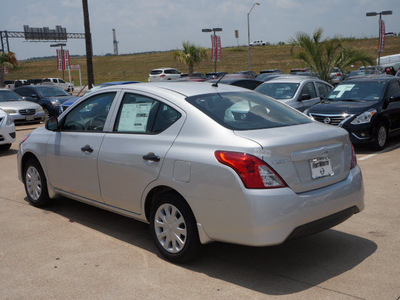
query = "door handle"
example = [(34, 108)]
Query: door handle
[(87, 149), (151, 157)]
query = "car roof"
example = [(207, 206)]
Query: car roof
[(184, 88), (370, 78), (291, 79), (117, 83)]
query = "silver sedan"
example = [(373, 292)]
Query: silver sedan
[(20, 111), (199, 162)]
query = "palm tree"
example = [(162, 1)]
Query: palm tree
[(8, 60), (191, 55), (321, 55)]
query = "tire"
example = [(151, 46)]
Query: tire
[(381, 136), (173, 228), (35, 184), (46, 114)]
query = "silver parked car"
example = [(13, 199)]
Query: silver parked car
[(199, 162), (20, 111), (296, 91)]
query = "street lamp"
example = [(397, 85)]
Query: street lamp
[(60, 45), (213, 30), (373, 14), (248, 31)]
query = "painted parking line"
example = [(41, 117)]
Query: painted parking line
[(383, 151)]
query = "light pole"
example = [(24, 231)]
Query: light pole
[(373, 14), (248, 31), (213, 30), (60, 45)]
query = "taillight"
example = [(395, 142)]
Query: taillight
[(162, 75), (254, 173), (353, 158), (338, 74)]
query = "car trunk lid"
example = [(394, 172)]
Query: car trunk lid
[(307, 157)]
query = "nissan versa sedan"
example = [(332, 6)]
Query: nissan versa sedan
[(178, 156), (19, 110), (368, 108)]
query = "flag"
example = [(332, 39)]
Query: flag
[(381, 35)]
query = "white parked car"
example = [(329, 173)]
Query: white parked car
[(66, 86), (7, 130), (258, 43), (164, 74)]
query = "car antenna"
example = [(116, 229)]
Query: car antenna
[(219, 79)]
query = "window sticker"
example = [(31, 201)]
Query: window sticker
[(134, 117), (341, 89)]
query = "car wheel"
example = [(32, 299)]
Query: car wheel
[(46, 113), (5, 147), (173, 228), (381, 137), (35, 184)]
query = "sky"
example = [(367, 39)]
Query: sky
[(163, 25)]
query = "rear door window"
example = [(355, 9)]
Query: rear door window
[(141, 114)]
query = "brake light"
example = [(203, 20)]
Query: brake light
[(338, 74), (254, 173), (162, 75), (353, 158)]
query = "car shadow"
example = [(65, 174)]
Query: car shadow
[(289, 268), (392, 144), (8, 152)]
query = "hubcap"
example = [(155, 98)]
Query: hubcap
[(170, 228), (382, 136), (33, 183)]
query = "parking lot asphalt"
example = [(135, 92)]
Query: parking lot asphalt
[(71, 250)]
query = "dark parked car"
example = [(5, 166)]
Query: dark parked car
[(279, 71), (368, 108), (247, 83), (49, 97), (269, 76), (215, 75)]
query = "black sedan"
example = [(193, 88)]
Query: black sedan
[(49, 97), (368, 108)]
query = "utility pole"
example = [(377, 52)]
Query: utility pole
[(89, 49)]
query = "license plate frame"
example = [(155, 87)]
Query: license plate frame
[(321, 167), (30, 118)]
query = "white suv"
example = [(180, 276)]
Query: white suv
[(69, 87), (164, 74)]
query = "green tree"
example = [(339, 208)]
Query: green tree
[(322, 54), (8, 60), (191, 55)]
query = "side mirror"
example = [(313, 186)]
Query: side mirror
[(305, 97), (394, 98), (52, 124), (36, 96)]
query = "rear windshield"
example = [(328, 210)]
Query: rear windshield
[(247, 111), (353, 91), (279, 91)]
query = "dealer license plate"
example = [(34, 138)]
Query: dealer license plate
[(321, 167)]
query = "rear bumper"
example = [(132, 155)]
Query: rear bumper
[(269, 217)]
